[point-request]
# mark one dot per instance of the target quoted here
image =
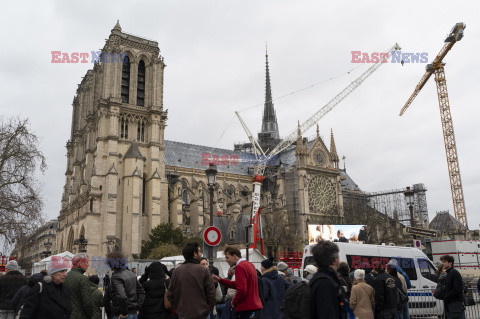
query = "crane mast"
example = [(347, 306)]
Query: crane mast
[(290, 139), (437, 69)]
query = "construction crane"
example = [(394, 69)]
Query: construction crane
[(289, 140), (437, 68)]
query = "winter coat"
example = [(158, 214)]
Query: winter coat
[(80, 293), (10, 283), (384, 284), (325, 298), (362, 300), (126, 293), (18, 300), (274, 288), (345, 278), (246, 282), (46, 300), (153, 306), (97, 297), (453, 287), (191, 291), (293, 279), (107, 301), (106, 281)]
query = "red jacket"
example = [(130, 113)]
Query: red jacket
[(246, 284)]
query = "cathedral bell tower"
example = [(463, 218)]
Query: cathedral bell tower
[(116, 190)]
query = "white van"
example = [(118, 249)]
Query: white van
[(413, 261)]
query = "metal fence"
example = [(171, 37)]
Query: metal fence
[(423, 305)]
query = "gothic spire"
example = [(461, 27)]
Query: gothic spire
[(333, 150), (269, 122)]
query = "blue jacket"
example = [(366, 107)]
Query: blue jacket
[(407, 280), (274, 287)]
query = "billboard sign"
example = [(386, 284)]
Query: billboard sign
[(345, 233)]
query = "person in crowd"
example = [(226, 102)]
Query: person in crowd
[(370, 275), (192, 291), (126, 293), (106, 281), (327, 297), (204, 262), (289, 276), (402, 279), (310, 270), (344, 272), (229, 312), (79, 287), (401, 284), (362, 298), (49, 298), (386, 295), (97, 297), (44, 272), (19, 298), (220, 301), (340, 237), (453, 297), (10, 284), (274, 288), (107, 301), (134, 270), (247, 302), (155, 284)]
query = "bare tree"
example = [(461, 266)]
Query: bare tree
[(20, 202)]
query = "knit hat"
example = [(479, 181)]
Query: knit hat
[(57, 265), (282, 266), (393, 263), (267, 263), (359, 274), (311, 269), (12, 265)]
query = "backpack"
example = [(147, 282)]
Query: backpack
[(439, 291), (402, 296), (392, 292), (297, 301)]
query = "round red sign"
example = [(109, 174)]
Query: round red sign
[(212, 236)]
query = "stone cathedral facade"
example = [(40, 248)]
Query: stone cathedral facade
[(123, 178)]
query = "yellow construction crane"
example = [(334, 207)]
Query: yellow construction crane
[(436, 67)]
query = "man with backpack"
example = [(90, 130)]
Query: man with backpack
[(323, 297), (386, 295)]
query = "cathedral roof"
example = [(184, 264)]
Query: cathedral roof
[(191, 156), (443, 221), (347, 182), (134, 152)]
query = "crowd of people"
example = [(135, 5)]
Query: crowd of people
[(195, 290)]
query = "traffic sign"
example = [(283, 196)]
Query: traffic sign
[(421, 232), (417, 244), (212, 236)]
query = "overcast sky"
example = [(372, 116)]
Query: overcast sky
[(214, 51)]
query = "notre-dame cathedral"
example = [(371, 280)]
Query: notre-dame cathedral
[(123, 178)]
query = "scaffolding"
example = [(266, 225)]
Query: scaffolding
[(394, 204)]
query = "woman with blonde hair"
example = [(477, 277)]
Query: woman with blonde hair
[(362, 298)]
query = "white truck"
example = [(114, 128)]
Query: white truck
[(413, 261)]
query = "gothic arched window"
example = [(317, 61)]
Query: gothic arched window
[(125, 79), (141, 84), (144, 182), (124, 127), (141, 131)]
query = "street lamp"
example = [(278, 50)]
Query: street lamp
[(409, 196), (211, 175)]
